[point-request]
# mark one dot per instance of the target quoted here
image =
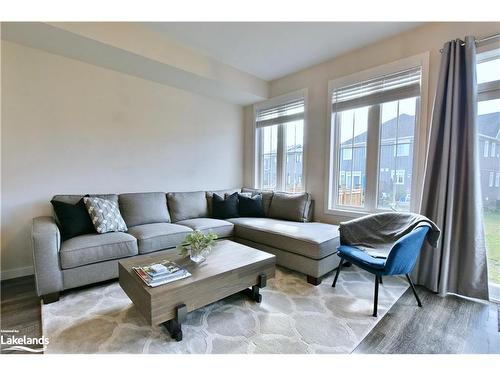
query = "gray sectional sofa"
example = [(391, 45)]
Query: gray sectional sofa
[(159, 221)]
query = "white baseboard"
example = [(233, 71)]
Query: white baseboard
[(16, 272)]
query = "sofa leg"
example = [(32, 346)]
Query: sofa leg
[(338, 272), (313, 280), (51, 297)]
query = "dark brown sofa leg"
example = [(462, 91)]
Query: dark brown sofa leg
[(313, 280), (51, 297)]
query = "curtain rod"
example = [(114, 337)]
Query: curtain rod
[(480, 40)]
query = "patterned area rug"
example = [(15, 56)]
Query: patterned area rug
[(294, 317)]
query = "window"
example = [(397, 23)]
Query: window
[(398, 177), (279, 125), (402, 150), (347, 154), (353, 150), (269, 137), (488, 133), (486, 147), (374, 127)]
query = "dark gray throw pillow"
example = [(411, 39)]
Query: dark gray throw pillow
[(225, 208), (250, 206), (290, 206), (74, 220)]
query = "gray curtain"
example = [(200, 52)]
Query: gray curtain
[(452, 191)]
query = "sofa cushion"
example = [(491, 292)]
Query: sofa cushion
[(158, 236), (222, 193), (312, 240), (105, 215), (267, 196), (358, 256), (94, 248), (290, 206), (221, 228), (225, 208), (250, 206), (144, 208), (188, 205), (74, 220)]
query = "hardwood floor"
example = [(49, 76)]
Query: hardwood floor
[(449, 325), (20, 309), (443, 325)]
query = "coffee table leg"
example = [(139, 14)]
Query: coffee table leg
[(174, 326), (254, 292)]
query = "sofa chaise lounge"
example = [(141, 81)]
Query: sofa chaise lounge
[(158, 221)]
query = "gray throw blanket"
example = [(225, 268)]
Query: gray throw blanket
[(377, 233)]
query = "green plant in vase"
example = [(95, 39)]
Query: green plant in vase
[(197, 245)]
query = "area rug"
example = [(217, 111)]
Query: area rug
[(293, 317)]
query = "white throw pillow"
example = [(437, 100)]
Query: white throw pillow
[(105, 215)]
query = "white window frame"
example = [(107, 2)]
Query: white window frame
[(273, 102), (486, 151), (372, 163), (489, 91), (491, 179), (493, 147)]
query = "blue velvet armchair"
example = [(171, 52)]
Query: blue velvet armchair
[(400, 261)]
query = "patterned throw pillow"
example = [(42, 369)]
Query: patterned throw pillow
[(105, 215)]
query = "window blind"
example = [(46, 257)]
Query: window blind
[(387, 88), (287, 112)]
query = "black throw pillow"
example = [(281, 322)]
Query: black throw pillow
[(251, 206), (74, 219), (225, 208)]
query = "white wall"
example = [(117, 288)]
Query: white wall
[(71, 127), (429, 37)]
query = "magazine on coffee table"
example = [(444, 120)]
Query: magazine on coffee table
[(161, 273)]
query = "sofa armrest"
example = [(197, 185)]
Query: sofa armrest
[(46, 242)]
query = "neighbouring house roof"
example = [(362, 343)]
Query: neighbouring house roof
[(488, 125), (290, 150), (406, 124)]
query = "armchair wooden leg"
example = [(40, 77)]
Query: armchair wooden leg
[(338, 272), (314, 280), (375, 298), (414, 290)]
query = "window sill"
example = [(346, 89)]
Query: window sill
[(353, 213), (346, 213)]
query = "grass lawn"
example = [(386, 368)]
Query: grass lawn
[(492, 233)]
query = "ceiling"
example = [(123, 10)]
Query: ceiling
[(274, 49)]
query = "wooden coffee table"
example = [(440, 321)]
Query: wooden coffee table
[(229, 269)]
